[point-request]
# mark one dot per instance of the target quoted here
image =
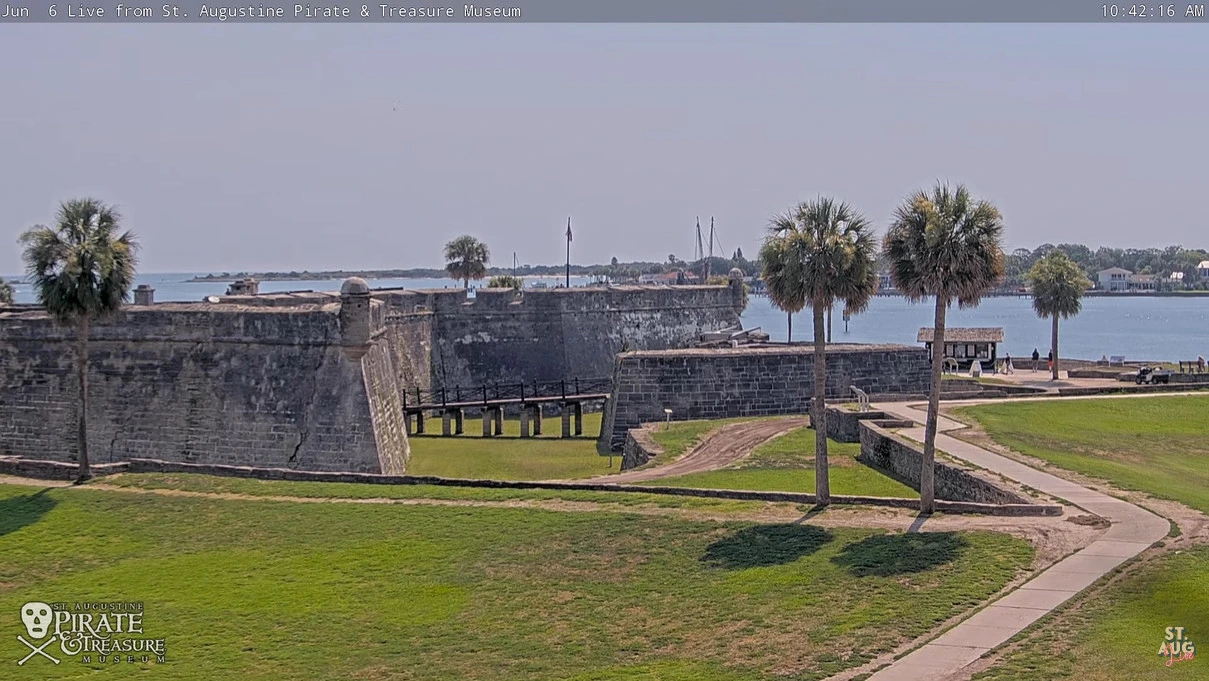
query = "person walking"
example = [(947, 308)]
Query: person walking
[(1036, 356), (1050, 358), (1007, 364)]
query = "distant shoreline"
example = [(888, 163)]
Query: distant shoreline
[(369, 274)]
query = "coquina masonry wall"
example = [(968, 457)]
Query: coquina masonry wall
[(750, 381), (553, 334), (225, 384)]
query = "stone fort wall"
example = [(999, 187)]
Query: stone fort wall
[(271, 385), (313, 380), (749, 381), (503, 336)]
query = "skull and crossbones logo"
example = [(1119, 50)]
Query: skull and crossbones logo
[(36, 617)]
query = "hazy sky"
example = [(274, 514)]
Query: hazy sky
[(254, 147)]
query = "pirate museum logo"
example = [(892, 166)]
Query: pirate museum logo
[(88, 633)]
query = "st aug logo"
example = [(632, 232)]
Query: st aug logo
[(1176, 646), (108, 633)]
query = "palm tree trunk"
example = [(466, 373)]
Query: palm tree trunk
[(927, 473), (1053, 344), (829, 310), (82, 373), (818, 418), (789, 335)]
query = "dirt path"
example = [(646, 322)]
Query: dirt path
[(720, 448)]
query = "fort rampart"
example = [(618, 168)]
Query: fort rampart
[(313, 381), (749, 381)]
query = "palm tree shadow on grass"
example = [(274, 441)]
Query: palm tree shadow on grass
[(19, 512), (888, 555), (765, 545)]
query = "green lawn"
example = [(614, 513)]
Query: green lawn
[(508, 457), (246, 589), (786, 464), (342, 490), (1159, 445), (1117, 634)]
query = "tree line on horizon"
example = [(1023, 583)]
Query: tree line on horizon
[(1157, 261)]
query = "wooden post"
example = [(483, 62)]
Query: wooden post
[(458, 418), (524, 421), (537, 419), (579, 419)]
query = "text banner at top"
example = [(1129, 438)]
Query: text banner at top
[(607, 11)]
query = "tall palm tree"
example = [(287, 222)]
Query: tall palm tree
[(825, 252), (944, 244), (466, 258), (6, 293), (81, 269), (1058, 286)]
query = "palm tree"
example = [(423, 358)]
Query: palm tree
[(466, 258), (81, 269), (780, 268), (1058, 285), (947, 245), (6, 293), (820, 252)]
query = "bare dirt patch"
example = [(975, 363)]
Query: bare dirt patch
[(719, 449)]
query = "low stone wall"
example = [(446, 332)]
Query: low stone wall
[(1104, 373), (844, 425), (1132, 388), (902, 460), (639, 448), (774, 380), (157, 466), (54, 470)]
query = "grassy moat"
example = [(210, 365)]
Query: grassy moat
[(508, 456), (284, 589)]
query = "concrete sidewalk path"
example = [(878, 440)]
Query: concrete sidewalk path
[(1133, 531)]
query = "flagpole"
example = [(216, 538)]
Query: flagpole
[(568, 251)]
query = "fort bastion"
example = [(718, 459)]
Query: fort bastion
[(311, 380)]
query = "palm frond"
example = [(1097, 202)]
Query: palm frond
[(945, 244), (78, 267), (1058, 285), (819, 252)]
